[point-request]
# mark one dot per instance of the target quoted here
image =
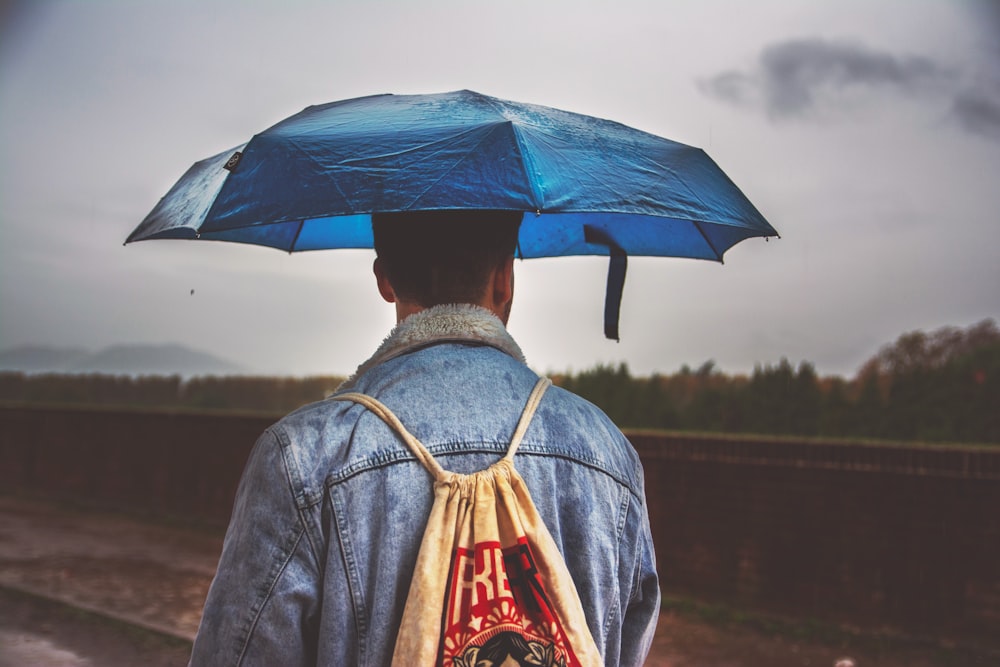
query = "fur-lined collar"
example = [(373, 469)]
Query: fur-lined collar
[(459, 323)]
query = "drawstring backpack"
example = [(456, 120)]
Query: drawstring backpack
[(490, 583)]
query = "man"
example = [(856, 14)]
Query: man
[(330, 513)]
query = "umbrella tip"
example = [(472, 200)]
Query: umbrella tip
[(233, 161)]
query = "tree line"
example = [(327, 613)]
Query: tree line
[(942, 386), (230, 393), (937, 387)]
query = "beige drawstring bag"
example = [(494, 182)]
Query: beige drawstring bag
[(490, 584)]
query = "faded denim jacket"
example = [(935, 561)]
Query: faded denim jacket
[(329, 515)]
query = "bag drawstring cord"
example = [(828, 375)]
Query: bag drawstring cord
[(417, 447)]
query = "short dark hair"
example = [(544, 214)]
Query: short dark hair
[(437, 257)]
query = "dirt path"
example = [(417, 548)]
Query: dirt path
[(35, 632), (684, 642)]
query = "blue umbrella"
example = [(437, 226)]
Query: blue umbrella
[(587, 186)]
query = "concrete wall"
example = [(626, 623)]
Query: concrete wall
[(874, 536), (172, 465), (870, 536)]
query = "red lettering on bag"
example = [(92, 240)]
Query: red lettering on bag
[(496, 595)]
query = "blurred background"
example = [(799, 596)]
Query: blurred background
[(867, 133), (817, 416)]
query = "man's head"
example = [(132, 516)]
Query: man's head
[(427, 258)]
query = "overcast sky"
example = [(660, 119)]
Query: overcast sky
[(868, 133)]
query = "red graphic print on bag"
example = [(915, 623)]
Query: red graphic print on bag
[(497, 611)]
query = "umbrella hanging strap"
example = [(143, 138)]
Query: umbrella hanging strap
[(616, 278)]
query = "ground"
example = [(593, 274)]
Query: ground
[(86, 589)]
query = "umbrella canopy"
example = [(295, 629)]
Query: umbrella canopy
[(587, 186)]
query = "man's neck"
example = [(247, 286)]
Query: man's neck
[(406, 308)]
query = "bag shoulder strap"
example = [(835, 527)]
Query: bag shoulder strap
[(529, 411), (417, 447)]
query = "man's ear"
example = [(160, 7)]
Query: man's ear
[(382, 278), (503, 284)]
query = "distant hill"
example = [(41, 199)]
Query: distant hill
[(168, 359), (32, 358)]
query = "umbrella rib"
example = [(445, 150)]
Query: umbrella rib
[(347, 198), (430, 186), (295, 239), (708, 241), (526, 168)]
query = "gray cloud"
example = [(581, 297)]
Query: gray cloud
[(977, 110), (986, 14), (804, 77), (16, 18), (815, 78)]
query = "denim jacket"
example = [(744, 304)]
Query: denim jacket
[(330, 511)]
